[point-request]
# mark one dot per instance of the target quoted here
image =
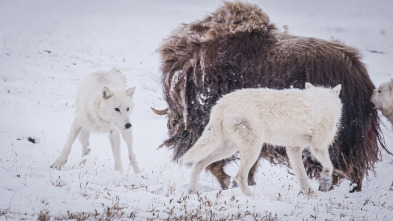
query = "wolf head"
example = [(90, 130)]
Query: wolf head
[(382, 97), (116, 107)]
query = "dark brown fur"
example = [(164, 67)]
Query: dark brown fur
[(237, 47)]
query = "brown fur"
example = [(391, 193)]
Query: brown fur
[(237, 47)]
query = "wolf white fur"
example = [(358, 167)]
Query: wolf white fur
[(382, 98), (245, 119), (103, 104)]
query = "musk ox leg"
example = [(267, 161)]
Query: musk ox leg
[(251, 175), (217, 169), (357, 180)]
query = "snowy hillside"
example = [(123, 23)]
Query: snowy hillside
[(47, 46)]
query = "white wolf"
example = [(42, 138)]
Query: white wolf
[(103, 104), (245, 119), (382, 98)]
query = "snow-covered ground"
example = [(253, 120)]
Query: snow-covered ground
[(47, 46)]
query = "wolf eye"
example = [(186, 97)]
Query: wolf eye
[(117, 109), (128, 108), (379, 91)]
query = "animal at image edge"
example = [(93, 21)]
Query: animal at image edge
[(245, 119), (382, 99), (103, 104), (237, 46)]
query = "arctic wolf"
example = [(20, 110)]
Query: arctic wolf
[(382, 98), (245, 119), (103, 104)]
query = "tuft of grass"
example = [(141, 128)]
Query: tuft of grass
[(108, 213), (184, 208), (43, 215), (58, 182), (4, 212)]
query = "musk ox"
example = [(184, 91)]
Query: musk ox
[(237, 47)]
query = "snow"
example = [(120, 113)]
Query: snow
[(48, 46)]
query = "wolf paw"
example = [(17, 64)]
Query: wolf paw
[(119, 168), (58, 164), (247, 191), (191, 191), (136, 168), (234, 183), (310, 192), (86, 152), (136, 171), (325, 183)]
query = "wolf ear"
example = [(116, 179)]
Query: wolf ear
[(106, 93), (336, 90), (309, 85), (130, 91)]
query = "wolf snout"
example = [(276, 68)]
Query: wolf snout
[(127, 126), (374, 104)]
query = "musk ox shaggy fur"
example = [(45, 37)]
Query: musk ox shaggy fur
[(238, 47)]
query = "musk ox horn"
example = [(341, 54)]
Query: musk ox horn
[(160, 112)]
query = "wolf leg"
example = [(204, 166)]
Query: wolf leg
[(84, 139), (247, 159), (295, 158), (322, 155), (218, 152), (196, 171), (62, 159), (251, 175), (127, 136), (114, 137)]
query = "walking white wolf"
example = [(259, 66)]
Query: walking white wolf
[(103, 104), (245, 119)]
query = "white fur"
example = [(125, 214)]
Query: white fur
[(103, 104), (245, 119), (382, 98)]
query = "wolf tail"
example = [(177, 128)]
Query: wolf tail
[(206, 144), (195, 154)]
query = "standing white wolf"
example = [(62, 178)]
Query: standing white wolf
[(382, 99), (103, 104), (245, 119)]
